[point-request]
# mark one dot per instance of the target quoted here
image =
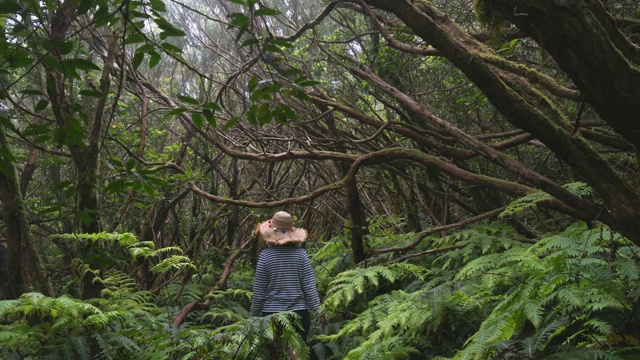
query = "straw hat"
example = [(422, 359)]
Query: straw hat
[(279, 230)]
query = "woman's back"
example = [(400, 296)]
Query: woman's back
[(284, 281)]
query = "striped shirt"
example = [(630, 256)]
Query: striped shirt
[(284, 281)]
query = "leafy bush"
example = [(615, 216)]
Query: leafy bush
[(570, 294)]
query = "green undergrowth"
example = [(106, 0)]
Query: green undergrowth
[(492, 295), (572, 294)]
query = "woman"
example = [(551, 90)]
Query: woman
[(284, 279)]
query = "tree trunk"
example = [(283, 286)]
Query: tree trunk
[(85, 160), (585, 41), (24, 266), (27, 172), (84, 151)]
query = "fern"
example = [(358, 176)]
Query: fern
[(495, 297), (175, 262), (251, 337), (390, 348), (167, 261), (126, 323), (102, 238), (532, 200), (569, 276), (182, 293), (352, 283)]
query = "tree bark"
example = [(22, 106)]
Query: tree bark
[(529, 109), (359, 227), (84, 149), (585, 41), (27, 172), (83, 157), (23, 266)]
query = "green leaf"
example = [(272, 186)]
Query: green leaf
[(140, 15), (20, 58), (20, 30), (134, 38), (264, 114), (283, 113), (271, 47), (52, 63), (171, 48), (168, 28), (131, 163), (213, 106), (65, 47), (188, 100), (303, 81), (253, 83), (137, 59), (240, 20), (115, 163), (154, 59), (158, 5), (84, 6), (197, 120), (300, 95), (41, 105), (265, 92), (251, 114), (265, 11), (208, 115), (146, 48), (9, 7), (90, 92), (32, 92), (5, 168), (70, 68), (177, 111), (281, 43), (239, 2), (229, 124), (36, 130), (83, 64)]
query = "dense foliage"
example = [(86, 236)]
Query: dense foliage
[(468, 173), (572, 294)]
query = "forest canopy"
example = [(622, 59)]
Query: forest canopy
[(467, 171)]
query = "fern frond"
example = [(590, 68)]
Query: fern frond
[(531, 201), (351, 283), (581, 354), (387, 349), (82, 348), (102, 345), (513, 256), (534, 312), (177, 262), (7, 307)]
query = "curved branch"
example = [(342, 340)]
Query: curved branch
[(421, 236), (616, 97), (203, 305), (310, 25), (580, 205), (376, 158)]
